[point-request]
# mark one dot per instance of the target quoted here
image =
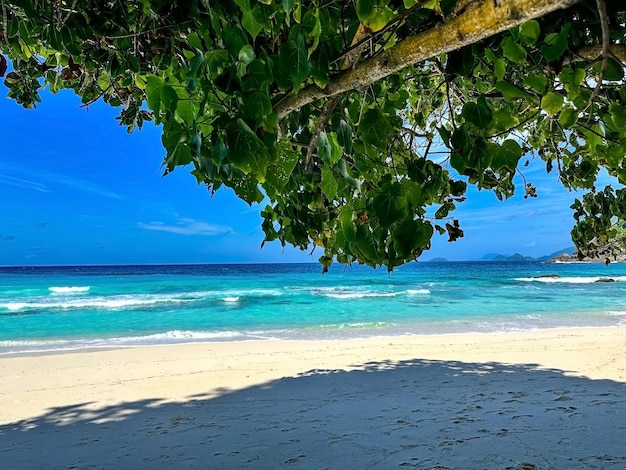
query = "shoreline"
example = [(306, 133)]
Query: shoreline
[(257, 341), (375, 403), (339, 333)]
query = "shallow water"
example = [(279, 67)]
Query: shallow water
[(52, 308)]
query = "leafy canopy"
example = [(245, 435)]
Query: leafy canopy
[(333, 110)]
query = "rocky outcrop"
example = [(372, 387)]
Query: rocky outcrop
[(565, 258)]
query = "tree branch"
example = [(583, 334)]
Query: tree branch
[(478, 21), (606, 44)]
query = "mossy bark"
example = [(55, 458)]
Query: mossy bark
[(479, 19)]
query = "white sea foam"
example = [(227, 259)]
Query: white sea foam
[(169, 337), (246, 293), (572, 280), (618, 313), (354, 325), (112, 302), (418, 291), (14, 306), (69, 290), (231, 299), (358, 295)]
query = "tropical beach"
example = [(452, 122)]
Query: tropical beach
[(436, 365), (544, 399), (142, 328)]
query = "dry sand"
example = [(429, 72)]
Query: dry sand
[(551, 399)]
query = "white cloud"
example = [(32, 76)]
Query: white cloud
[(76, 183), (23, 183), (186, 226)]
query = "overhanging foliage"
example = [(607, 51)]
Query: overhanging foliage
[(333, 110)]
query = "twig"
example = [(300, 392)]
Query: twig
[(606, 45), (367, 39), (329, 106)]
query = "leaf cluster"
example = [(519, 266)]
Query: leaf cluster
[(368, 175)]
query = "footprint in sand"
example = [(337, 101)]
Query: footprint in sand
[(295, 459)]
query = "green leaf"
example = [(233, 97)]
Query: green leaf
[(513, 51), (294, 62), (503, 119), (379, 18), (336, 151), (329, 184), (499, 68), (279, 173), (246, 150), (555, 44), (216, 60), (323, 147), (366, 245), (537, 83), (364, 9), (246, 189), (196, 63), (247, 54), (389, 204), (618, 114), (460, 62), (374, 14), (160, 96), (568, 118), (312, 27), (257, 77), (510, 91), (374, 128), (614, 70), (413, 192), (169, 98), (153, 92), (252, 22), (529, 31), (194, 41), (507, 156), (478, 113), (552, 102), (344, 136), (187, 111), (234, 39), (257, 105), (411, 237)]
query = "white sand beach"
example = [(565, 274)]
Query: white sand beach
[(549, 399)]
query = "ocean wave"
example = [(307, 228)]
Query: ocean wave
[(346, 295), (353, 326), (69, 290), (64, 298), (107, 303), (573, 280), (168, 337), (618, 313), (355, 293)]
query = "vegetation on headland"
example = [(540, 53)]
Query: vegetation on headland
[(361, 122)]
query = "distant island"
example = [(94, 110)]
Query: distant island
[(566, 255), (560, 255)]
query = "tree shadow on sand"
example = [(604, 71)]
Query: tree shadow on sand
[(415, 414)]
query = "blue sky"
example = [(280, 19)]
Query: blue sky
[(75, 188)]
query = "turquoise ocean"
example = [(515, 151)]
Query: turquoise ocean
[(65, 308)]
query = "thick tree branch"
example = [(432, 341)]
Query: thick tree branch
[(478, 21), (591, 53)]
